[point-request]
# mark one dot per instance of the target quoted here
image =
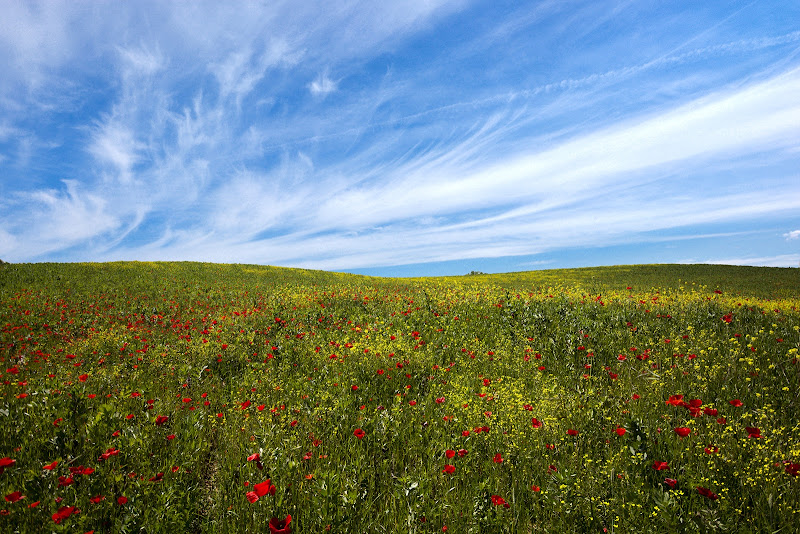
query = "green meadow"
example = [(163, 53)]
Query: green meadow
[(187, 397)]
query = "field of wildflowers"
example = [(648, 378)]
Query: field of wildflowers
[(183, 397)]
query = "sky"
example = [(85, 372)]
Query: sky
[(401, 138)]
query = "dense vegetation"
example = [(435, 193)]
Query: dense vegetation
[(184, 397)]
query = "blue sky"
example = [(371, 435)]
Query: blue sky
[(401, 138)]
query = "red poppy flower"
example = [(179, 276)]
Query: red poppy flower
[(671, 482), (6, 462), (675, 400), (498, 458), (83, 377), (683, 431), (109, 453), (572, 432), (499, 501), (705, 492), (536, 423), (462, 453), (254, 457), (449, 453), (753, 432), (280, 526), (161, 419), (660, 466), (50, 466), (96, 500), (735, 402), (449, 469), (359, 433), (80, 470), (620, 431), (122, 500), (264, 488), (792, 469), (63, 513), (14, 496), (711, 450)]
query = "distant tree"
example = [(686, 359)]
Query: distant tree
[(473, 273)]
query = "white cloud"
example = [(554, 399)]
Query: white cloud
[(322, 85), (8, 245), (241, 70), (581, 193), (7, 131), (36, 36), (56, 219), (114, 144), (140, 62), (794, 234), (762, 117)]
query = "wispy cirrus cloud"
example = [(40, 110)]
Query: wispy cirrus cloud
[(322, 85), (59, 219)]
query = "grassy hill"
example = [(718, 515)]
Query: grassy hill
[(189, 397), (761, 282)]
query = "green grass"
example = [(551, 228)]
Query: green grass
[(762, 282), (290, 365)]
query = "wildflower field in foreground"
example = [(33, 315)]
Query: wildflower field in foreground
[(182, 397)]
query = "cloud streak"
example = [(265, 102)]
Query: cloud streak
[(322, 85)]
